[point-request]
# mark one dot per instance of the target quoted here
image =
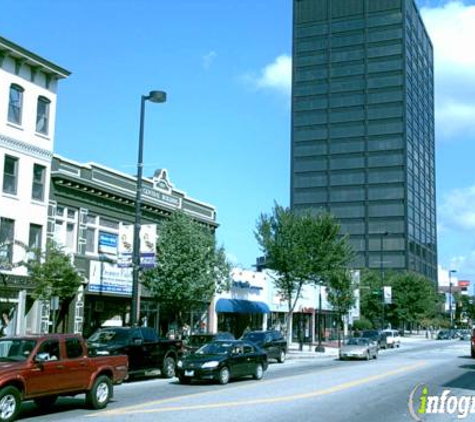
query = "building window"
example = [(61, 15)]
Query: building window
[(42, 115), (10, 175), (7, 232), (90, 240), (36, 233), (38, 191), (65, 228), (15, 104)]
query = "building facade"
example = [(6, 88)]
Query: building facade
[(89, 203), (28, 93), (363, 127)]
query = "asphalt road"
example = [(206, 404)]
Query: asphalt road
[(298, 390)]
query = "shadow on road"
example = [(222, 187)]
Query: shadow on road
[(64, 404)]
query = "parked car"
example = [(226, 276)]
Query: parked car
[(377, 337), (221, 361), (195, 341), (43, 367), (359, 348), (393, 338), (271, 341), (446, 335), (147, 352)]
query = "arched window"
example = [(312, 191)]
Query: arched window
[(42, 115), (15, 104)]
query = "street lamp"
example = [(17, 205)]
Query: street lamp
[(450, 296), (154, 97), (320, 348), (381, 235)]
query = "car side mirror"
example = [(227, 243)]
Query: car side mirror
[(41, 357)]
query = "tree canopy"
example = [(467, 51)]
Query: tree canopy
[(54, 274), (301, 248), (190, 267)]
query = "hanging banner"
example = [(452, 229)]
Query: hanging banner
[(148, 244), (387, 291)]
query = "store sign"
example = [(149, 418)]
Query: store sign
[(105, 277), (247, 286), (108, 243), (161, 197)]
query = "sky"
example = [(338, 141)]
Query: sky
[(224, 132)]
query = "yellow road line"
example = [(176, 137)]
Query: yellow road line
[(222, 390), (281, 399)]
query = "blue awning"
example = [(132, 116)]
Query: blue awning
[(241, 306)]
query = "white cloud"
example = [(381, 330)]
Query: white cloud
[(276, 75), (208, 59), (451, 27), (457, 211), (465, 265)]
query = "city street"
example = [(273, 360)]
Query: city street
[(306, 389)]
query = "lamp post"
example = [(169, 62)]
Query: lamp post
[(154, 97), (450, 296), (381, 271), (320, 348)]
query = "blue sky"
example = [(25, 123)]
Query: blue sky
[(224, 132)]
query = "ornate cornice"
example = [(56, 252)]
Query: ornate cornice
[(26, 148)]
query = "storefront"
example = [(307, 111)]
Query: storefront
[(244, 307), (91, 209)]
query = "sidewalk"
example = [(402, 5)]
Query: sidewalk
[(308, 351)]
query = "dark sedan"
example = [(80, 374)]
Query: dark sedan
[(195, 341), (271, 341), (222, 360)]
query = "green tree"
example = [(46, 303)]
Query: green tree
[(371, 297), (55, 276), (340, 293), (415, 299), (190, 267), (301, 248)]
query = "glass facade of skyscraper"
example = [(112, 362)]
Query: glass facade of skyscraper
[(363, 127)]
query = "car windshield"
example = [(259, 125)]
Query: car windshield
[(107, 336), (254, 336), (199, 340), (16, 350), (357, 342), (215, 348)]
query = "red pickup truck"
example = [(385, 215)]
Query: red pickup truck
[(43, 367)]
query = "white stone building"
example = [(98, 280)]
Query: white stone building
[(28, 91)]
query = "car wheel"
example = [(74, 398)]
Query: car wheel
[(224, 375), (168, 367), (376, 355), (258, 372), (281, 358), (10, 400), (184, 380), (100, 394), (45, 402), (472, 353)]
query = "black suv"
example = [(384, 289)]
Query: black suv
[(195, 341), (377, 337), (271, 341)]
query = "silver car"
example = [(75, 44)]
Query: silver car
[(359, 348)]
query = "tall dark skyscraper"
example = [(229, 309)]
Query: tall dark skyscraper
[(363, 127)]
